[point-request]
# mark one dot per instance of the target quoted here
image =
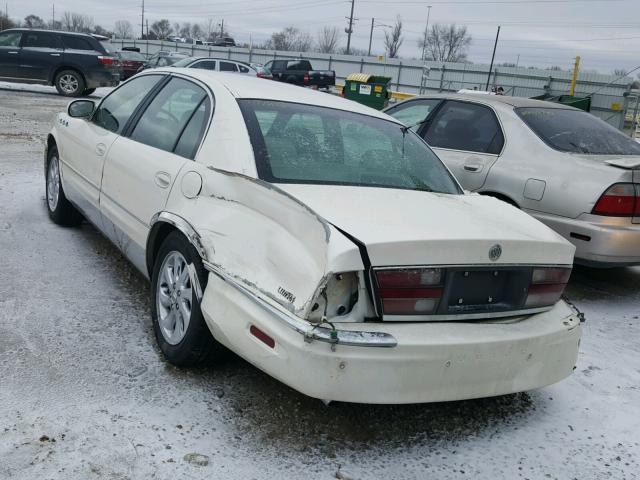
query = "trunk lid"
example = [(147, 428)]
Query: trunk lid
[(406, 227)]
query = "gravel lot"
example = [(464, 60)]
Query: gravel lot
[(85, 393)]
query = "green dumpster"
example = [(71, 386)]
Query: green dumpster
[(370, 90), (583, 103)]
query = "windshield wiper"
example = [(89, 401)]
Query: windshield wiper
[(406, 128)]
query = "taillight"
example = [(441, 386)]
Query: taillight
[(105, 60), (414, 291), (547, 286), (620, 200), (306, 78)]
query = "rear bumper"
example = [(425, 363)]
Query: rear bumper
[(102, 78), (430, 362), (600, 241)]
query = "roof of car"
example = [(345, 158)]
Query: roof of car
[(247, 86), (61, 32), (498, 99)]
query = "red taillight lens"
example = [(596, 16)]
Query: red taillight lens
[(547, 286), (410, 291), (306, 78), (620, 200), (105, 60)]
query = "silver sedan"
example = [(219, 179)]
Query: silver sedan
[(567, 168)]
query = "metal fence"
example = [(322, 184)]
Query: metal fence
[(609, 95)]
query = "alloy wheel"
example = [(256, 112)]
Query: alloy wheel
[(174, 298), (53, 183)]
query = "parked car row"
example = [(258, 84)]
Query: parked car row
[(321, 240)]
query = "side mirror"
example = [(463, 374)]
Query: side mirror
[(81, 108)]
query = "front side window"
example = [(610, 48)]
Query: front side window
[(296, 143), (465, 126), (10, 39), (76, 43), (168, 114), (412, 112), (40, 40), (114, 112), (243, 69), (576, 131), (228, 67)]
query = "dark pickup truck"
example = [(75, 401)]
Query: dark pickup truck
[(300, 72)]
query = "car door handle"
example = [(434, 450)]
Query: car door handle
[(54, 54), (101, 148), (472, 168), (163, 179), (12, 53)]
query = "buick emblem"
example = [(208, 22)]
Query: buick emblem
[(495, 252)]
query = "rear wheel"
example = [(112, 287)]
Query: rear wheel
[(69, 83), (178, 323), (60, 209)]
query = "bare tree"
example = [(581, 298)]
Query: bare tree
[(123, 29), (209, 29), (196, 31), (161, 29), (328, 38), (76, 22), (620, 72), (446, 43), (290, 39), (185, 31), (33, 21), (393, 39), (176, 28), (6, 22)]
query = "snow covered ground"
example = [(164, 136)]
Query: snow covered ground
[(85, 393)]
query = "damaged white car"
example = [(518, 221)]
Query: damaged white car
[(318, 239)]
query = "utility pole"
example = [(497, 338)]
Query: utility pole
[(147, 28), (53, 16), (426, 33), (142, 22), (574, 78), (493, 56), (371, 36), (349, 30), (222, 28)]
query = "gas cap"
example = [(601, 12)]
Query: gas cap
[(191, 184)]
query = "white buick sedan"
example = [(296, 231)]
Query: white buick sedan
[(567, 168), (317, 238)]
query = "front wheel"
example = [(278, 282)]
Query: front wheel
[(69, 83), (178, 323), (61, 211)]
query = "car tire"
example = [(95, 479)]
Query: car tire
[(180, 329), (69, 83), (60, 210), (88, 91)]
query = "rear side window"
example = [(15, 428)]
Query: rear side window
[(410, 113), (575, 131), (243, 69), (10, 39), (76, 43), (193, 132), (204, 64), (40, 40), (165, 118), (228, 67), (299, 65), (114, 112), (465, 126)]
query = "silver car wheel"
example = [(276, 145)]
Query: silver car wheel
[(53, 183), (174, 298), (68, 83)]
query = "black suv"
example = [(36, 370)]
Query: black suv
[(74, 62)]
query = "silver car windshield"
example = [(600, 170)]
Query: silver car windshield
[(297, 143), (575, 131)]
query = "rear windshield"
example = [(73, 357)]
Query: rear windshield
[(576, 131), (129, 55), (296, 143)]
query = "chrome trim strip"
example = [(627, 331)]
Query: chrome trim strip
[(185, 227), (465, 316), (309, 331)]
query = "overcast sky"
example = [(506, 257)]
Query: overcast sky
[(605, 33)]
